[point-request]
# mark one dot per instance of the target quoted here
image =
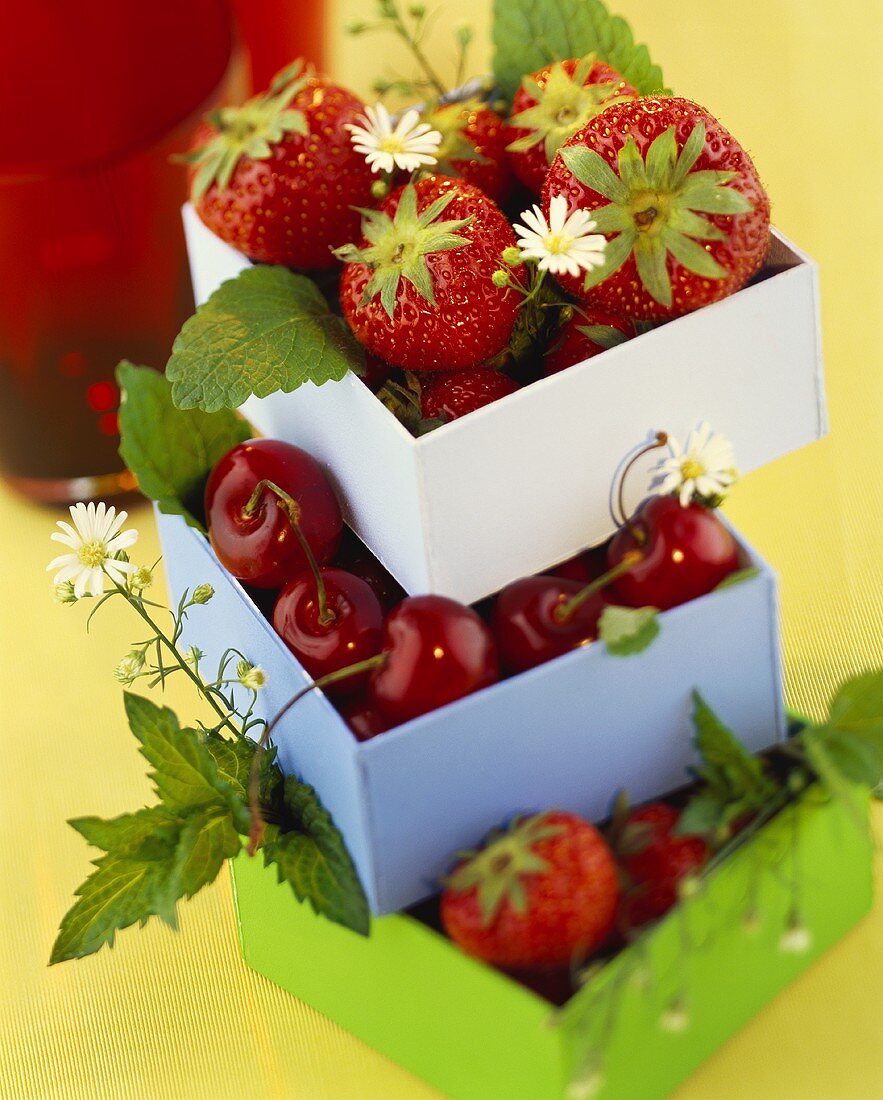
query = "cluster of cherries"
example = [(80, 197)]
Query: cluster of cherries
[(275, 524)]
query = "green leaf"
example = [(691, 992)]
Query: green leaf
[(266, 330), (528, 34), (616, 253), (628, 630), (652, 264), (185, 775), (828, 766), (312, 858), (737, 578), (171, 451), (207, 838), (727, 765), (593, 170), (605, 336), (690, 255), (121, 891), (858, 705), (128, 833)]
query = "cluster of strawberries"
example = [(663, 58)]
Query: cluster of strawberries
[(644, 208)]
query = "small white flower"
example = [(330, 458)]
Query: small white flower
[(407, 145), (796, 938), (251, 676), (703, 468), (142, 577), (675, 1018), (130, 667), (563, 245), (193, 656), (586, 1086), (94, 539)]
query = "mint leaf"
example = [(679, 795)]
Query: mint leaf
[(121, 891), (170, 451), (529, 34), (628, 630), (312, 858), (857, 706), (266, 330), (185, 775), (737, 578), (727, 765), (129, 833), (207, 838)]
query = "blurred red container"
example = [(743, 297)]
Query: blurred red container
[(274, 32), (92, 259)]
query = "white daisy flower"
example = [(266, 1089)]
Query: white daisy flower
[(704, 468), (251, 676), (95, 537), (563, 245), (407, 145), (130, 667)]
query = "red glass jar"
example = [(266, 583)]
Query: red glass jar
[(92, 259)]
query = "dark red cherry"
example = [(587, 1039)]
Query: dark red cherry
[(584, 567), (437, 650), (255, 539), (363, 718), (451, 394), (352, 630), (355, 557), (685, 552), (530, 624)]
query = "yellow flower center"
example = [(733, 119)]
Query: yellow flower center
[(557, 243), (393, 144), (92, 553), (691, 468)]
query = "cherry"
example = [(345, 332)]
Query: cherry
[(355, 557), (254, 532), (531, 624), (574, 345), (452, 394), (363, 718), (329, 621), (436, 650), (685, 552)]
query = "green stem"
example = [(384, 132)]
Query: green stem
[(564, 611), (293, 511), (173, 649), (414, 46), (254, 793)]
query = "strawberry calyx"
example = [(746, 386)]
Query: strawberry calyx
[(656, 207), (250, 130), (398, 247), (451, 120), (497, 870), (563, 106)]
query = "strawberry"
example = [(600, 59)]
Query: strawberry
[(549, 108), (540, 894), (473, 146), (654, 860), (447, 395), (278, 177), (585, 336), (418, 291), (685, 214)]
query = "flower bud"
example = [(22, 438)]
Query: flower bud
[(251, 676), (796, 938), (379, 189), (500, 277), (142, 577), (675, 1018), (64, 593), (355, 26), (130, 667), (202, 593), (193, 656), (464, 34), (512, 256)]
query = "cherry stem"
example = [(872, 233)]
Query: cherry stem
[(256, 832), (564, 611), (293, 511), (660, 440)]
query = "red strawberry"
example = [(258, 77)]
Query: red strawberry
[(473, 146), (278, 177), (685, 214), (541, 894), (654, 860), (419, 289), (582, 337), (549, 108), (448, 395)]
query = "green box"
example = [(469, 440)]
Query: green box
[(637, 1028)]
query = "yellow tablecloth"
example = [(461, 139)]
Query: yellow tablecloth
[(181, 1017)]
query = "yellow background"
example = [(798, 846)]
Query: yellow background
[(181, 1017)]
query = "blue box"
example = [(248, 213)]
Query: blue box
[(569, 733)]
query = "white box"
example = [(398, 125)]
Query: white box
[(523, 483)]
